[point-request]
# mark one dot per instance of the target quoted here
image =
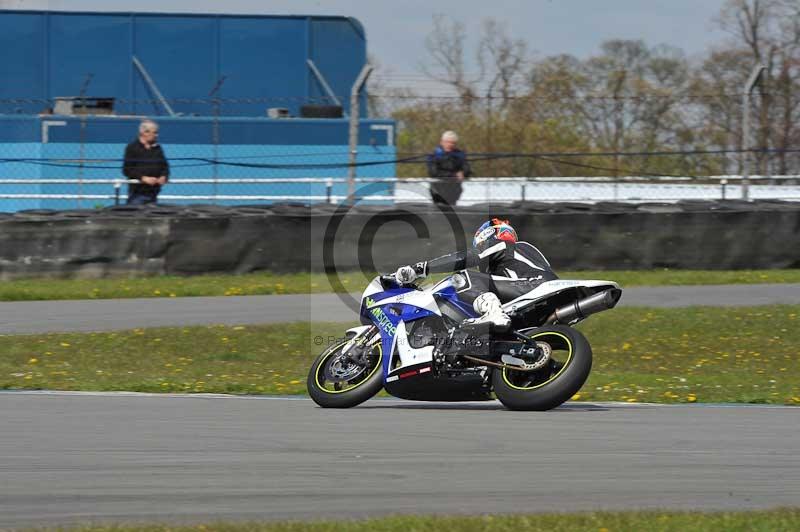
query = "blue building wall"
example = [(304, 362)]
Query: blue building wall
[(263, 61), (261, 57), (248, 148)]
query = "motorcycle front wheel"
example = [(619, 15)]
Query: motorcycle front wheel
[(335, 381), (568, 369)]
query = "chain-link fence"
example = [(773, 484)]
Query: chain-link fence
[(68, 153), (547, 132)]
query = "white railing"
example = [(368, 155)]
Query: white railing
[(476, 190)]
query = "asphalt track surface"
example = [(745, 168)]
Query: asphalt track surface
[(70, 458), (117, 314)]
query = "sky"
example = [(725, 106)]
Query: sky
[(396, 30)]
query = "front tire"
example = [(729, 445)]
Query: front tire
[(344, 391), (548, 388)]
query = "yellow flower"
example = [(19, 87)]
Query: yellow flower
[(692, 398), (298, 382), (33, 361), (64, 344), (576, 397)]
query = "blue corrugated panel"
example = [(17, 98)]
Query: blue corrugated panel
[(260, 57), (50, 147)]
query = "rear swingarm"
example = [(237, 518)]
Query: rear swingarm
[(516, 355)]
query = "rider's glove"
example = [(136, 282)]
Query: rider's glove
[(409, 274), (405, 275)]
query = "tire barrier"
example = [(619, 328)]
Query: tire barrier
[(187, 240)]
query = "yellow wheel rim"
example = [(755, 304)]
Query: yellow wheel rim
[(552, 377), (332, 351)]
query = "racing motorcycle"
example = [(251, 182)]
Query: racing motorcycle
[(418, 343)]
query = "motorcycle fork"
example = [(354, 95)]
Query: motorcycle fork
[(359, 344)]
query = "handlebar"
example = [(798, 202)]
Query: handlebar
[(392, 279)]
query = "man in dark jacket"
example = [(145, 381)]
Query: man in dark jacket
[(145, 162), (449, 165)]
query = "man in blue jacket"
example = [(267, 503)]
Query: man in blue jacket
[(450, 167)]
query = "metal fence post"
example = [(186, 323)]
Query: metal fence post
[(215, 133), (82, 148), (752, 81), (354, 123)]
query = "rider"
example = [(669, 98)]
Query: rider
[(514, 269)]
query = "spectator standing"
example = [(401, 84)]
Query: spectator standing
[(450, 167), (146, 163)]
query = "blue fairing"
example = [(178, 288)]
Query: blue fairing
[(449, 293), (387, 317)]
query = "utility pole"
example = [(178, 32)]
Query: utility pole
[(754, 79)]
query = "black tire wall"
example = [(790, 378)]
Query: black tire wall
[(291, 238)]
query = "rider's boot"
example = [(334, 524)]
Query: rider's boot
[(491, 310)]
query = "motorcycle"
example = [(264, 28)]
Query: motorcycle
[(419, 343)]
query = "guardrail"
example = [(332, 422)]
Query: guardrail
[(628, 188)]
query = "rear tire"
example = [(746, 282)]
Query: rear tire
[(360, 390), (519, 390)]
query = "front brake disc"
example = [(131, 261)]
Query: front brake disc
[(342, 369)]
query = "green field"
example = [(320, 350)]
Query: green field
[(306, 283), (695, 354), (784, 520)]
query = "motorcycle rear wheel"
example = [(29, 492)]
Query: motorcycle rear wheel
[(548, 388), (345, 391)]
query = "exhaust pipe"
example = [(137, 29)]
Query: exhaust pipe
[(583, 308)]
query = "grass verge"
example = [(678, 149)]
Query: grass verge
[(699, 354), (307, 283), (755, 521)]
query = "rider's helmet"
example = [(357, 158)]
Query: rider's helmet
[(491, 232)]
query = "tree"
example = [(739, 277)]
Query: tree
[(769, 32), (626, 98), (445, 47)]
